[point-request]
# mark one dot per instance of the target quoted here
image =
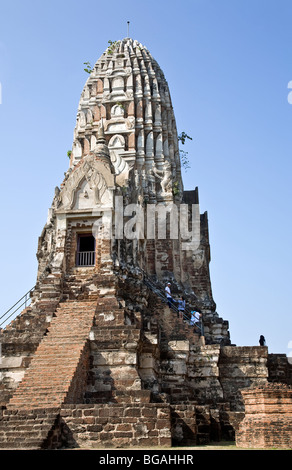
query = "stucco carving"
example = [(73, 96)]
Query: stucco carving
[(91, 174), (165, 177)]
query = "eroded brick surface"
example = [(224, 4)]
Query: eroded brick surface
[(268, 417)]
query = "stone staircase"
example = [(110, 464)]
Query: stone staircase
[(176, 329), (56, 375), (170, 326), (84, 286), (176, 341), (19, 341), (49, 381), (88, 358)]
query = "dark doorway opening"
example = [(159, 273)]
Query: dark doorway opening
[(85, 250)]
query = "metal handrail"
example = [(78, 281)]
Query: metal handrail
[(26, 298), (161, 293)]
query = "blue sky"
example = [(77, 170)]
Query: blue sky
[(228, 65)]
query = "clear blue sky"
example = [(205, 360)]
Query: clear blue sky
[(228, 65)]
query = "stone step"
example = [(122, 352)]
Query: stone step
[(34, 403)]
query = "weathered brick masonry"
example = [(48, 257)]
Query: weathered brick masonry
[(268, 417), (98, 359)]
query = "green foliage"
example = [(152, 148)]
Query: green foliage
[(124, 189), (88, 67), (112, 46), (184, 155), (175, 188), (120, 105), (183, 136), (184, 159), (69, 154)]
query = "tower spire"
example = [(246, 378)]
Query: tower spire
[(128, 25)]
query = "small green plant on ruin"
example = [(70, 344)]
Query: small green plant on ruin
[(124, 189), (184, 155), (88, 67), (118, 103), (112, 46), (175, 188)]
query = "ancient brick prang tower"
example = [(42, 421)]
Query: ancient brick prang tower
[(99, 358)]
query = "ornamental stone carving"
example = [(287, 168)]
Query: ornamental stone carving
[(93, 179)]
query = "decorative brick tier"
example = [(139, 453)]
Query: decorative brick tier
[(268, 417)]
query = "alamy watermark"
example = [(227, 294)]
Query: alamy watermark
[(152, 221)]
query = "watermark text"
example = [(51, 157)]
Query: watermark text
[(152, 221)]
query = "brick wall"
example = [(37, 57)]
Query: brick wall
[(280, 369), (239, 368), (116, 425), (268, 417)]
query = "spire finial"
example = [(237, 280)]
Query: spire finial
[(128, 23)]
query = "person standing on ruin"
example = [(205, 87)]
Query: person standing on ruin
[(181, 305), (168, 295), (196, 320)]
